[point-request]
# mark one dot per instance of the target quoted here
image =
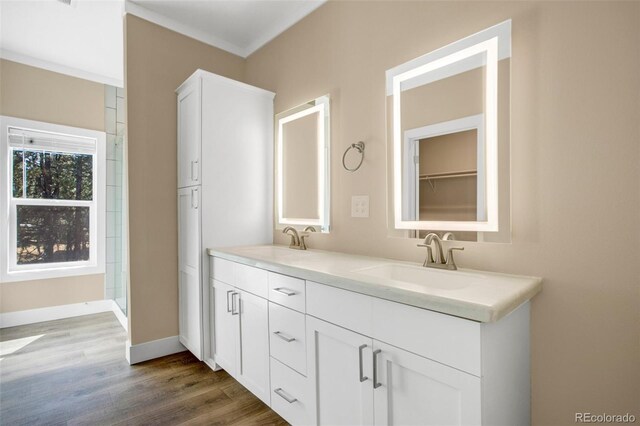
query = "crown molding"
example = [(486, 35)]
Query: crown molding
[(61, 69), (204, 37)]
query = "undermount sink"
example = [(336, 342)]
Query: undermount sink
[(422, 277)]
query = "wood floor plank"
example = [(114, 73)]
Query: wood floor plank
[(75, 373)]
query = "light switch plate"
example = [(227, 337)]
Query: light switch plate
[(359, 206)]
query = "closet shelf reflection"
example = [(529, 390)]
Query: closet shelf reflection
[(446, 175)]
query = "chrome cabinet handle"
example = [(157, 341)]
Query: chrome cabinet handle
[(193, 163), (195, 198), (228, 308), (283, 337), (376, 385), (284, 396), (285, 291), (362, 376), (233, 303)]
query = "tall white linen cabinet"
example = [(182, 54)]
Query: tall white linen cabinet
[(225, 187)]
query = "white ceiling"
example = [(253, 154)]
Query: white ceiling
[(84, 40), (237, 26)]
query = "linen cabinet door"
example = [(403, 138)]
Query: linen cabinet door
[(412, 390), (225, 326), (189, 280), (339, 370), (253, 345), (189, 149)]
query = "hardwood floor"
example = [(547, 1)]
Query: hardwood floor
[(73, 372)]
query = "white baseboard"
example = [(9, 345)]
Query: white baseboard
[(31, 316), (120, 315), (153, 349)]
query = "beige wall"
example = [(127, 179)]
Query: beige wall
[(41, 95), (22, 295), (157, 61), (575, 167)]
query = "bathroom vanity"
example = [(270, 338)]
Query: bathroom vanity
[(332, 338)]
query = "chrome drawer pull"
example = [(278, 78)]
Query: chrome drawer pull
[(228, 307), (376, 385), (283, 337), (234, 305), (194, 175), (362, 376), (285, 291), (284, 396)]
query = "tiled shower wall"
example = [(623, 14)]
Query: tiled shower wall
[(115, 282)]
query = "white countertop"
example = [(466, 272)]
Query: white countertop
[(475, 295)]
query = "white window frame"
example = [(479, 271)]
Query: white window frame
[(9, 269)]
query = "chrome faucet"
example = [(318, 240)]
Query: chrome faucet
[(440, 262)]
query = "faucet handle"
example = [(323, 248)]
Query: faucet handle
[(303, 241), (450, 259), (429, 258)]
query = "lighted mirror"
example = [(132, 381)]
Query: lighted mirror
[(302, 166), (448, 121)]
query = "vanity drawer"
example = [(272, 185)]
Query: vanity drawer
[(253, 280), (291, 396), (287, 337), (443, 338), (345, 308), (222, 270), (287, 291)]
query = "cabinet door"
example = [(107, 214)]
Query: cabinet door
[(253, 345), (189, 285), (225, 326), (189, 134), (339, 366), (418, 391)]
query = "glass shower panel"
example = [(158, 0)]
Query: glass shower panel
[(115, 280)]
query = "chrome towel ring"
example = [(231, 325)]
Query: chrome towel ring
[(359, 146)]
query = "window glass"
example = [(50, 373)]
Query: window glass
[(17, 174), (52, 234), (53, 175)]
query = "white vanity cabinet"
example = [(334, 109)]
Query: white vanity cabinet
[(224, 151), (189, 142), (241, 326), (361, 381), (339, 361), (189, 258), (225, 326), (339, 357), (414, 390)]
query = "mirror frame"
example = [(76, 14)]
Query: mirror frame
[(495, 43), (322, 106)]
